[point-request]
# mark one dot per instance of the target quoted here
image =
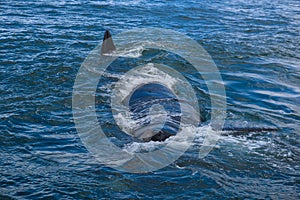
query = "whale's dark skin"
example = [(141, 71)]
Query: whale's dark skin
[(108, 47), (160, 136), (108, 44), (163, 135)]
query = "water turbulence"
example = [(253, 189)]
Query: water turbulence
[(148, 105), (149, 102)]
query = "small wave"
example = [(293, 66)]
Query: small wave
[(127, 52)]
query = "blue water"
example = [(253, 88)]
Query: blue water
[(255, 45)]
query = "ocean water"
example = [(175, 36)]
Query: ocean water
[(255, 45)]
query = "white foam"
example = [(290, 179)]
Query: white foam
[(132, 52), (199, 132)]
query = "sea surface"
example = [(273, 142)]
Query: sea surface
[(254, 44)]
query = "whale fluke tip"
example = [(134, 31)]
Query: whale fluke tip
[(108, 44)]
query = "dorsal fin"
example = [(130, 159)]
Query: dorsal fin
[(108, 44)]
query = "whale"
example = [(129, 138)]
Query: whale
[(155, 92), (108, 45)]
